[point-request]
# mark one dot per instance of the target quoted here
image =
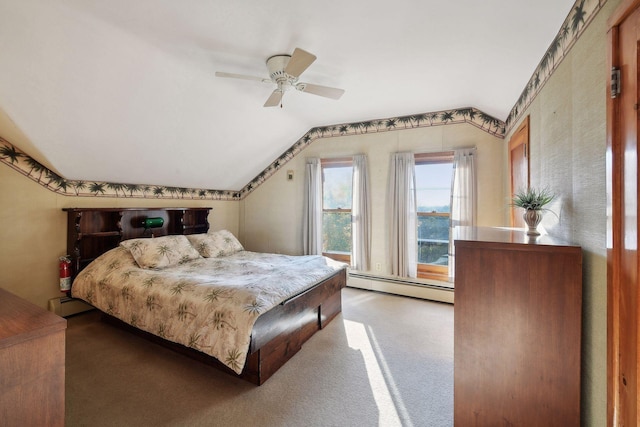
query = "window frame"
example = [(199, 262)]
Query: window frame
[(429, 271), (336, 163)]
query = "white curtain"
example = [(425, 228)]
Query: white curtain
[(312, 216), (360, 215), (402, 214), (463, 196)]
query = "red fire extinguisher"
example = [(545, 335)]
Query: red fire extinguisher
[(65, 273)]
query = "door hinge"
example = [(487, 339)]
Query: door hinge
[(615, 82), (525, 150)]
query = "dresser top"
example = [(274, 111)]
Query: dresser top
[(505, 235), (21, 320)]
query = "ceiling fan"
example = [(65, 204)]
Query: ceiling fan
[(284, 71)]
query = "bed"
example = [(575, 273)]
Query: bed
[(198, 291)]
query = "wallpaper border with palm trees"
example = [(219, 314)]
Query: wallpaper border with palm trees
[(468, 115), (580, 16), (31, 168), (28, 166)]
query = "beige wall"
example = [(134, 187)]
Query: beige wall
[(568, 143), (271, 216), (33, 232)]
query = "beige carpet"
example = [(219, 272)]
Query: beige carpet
[(385, 361)]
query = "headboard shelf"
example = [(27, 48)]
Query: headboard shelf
[(93, 231), (100, 234), (193, 227)]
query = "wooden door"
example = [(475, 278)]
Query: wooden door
[(622, 215), (519, 167)]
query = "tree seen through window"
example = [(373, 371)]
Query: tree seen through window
[(336, 208)]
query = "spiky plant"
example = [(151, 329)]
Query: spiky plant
[(532, 198)]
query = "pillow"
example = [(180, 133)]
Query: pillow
[(215, 243), (161, 252)]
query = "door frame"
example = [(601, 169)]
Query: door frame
[(518, 138), (623, 314)]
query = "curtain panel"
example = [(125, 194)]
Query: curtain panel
[(361, 215), (463, 196), (312, 213), (402, 215)]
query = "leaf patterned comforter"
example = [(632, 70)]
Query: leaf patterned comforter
[(209, 304)]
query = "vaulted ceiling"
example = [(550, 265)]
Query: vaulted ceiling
[(125, 90)]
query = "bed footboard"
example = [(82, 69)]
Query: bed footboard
[(278, 334)]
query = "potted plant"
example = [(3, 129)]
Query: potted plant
[(533, 201)]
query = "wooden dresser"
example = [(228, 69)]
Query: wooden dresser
[(32, 350), (518, 305)]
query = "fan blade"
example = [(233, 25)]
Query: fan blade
[(242, 76), (327, 92), (274, 99), (300, 61)]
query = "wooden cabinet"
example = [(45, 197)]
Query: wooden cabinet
[(518, 303), (93, 231), (32, 347)]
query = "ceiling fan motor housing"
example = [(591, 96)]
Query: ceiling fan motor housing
[(276, 65)]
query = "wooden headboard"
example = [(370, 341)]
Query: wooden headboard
[(93, 231)]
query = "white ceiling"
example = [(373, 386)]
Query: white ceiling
[(124, 90)]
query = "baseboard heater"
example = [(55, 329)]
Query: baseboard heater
[(401, 281), (66, 306)]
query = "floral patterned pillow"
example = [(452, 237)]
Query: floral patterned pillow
[(160, 252), (215, 243)]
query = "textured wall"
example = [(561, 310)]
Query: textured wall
[(568, 143)]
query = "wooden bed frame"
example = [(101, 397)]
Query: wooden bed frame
[(277, 334)]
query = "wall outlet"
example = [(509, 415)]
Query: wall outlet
[(289, 175), (378, 266)]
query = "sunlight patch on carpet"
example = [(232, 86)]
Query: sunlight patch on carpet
[(359, 340)]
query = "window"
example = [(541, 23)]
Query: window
[(337, 175), (433, 173)]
